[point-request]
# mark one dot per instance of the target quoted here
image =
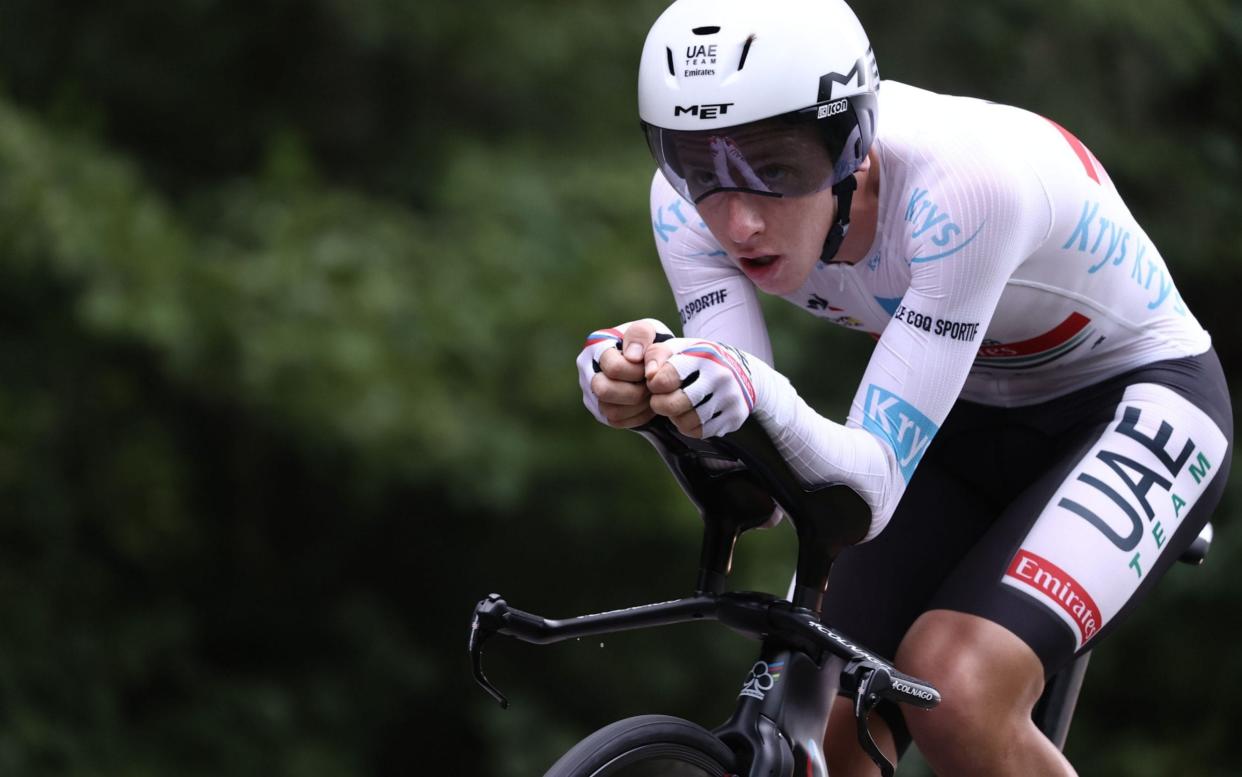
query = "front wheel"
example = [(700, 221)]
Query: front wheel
[(647, 746)]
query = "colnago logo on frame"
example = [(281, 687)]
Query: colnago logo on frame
[(1115, 514), (762, 677)]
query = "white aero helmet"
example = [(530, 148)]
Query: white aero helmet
[(772, 97)]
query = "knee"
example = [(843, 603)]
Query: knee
[(988, 682), (963, 700)]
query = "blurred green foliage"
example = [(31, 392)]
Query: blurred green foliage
[(290, 295)]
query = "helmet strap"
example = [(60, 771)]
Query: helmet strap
[(844, 192)]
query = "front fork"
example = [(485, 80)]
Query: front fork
[(782, 713)]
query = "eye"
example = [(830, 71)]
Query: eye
[(775, 173), (701, 178)]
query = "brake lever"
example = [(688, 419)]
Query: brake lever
[(483, 625), (870, 680)]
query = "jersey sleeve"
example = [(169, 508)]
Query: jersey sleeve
[(715, 301), (971, 218)]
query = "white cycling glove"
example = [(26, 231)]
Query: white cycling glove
[(596, 343), (725, 385)]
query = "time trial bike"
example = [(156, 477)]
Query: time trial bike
[(778, 726)]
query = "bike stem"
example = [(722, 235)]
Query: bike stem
[(827, 518), (729, 498)]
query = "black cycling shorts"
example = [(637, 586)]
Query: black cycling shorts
[(1052, 520)]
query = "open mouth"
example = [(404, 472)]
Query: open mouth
[(758, 262)]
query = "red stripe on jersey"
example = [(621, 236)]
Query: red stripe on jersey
[(1085, 156), (1072, 325)]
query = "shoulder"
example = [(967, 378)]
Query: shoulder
[(956, 175), (935, 135)]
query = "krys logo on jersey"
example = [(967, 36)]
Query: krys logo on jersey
[(1110, 243), (1103, 530), (936, 226), (665, 227), (900, 424)]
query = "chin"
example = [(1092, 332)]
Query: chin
[(778, 289), (794, 277)]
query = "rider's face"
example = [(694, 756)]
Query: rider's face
[(775, 241)]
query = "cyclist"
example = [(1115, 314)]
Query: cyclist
[(1043, 426)]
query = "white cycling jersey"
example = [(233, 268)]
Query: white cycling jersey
[(1006, 270)]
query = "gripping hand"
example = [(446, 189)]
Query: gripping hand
[(706, 388), (611, 372)]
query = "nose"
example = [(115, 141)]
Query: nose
[(743, 221)]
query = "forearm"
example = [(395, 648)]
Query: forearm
[(821, 451)]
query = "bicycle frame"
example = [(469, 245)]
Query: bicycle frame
[(781, 718)]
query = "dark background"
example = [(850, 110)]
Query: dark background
[(290, 295)]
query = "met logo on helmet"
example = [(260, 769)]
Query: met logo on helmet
[(703, 111)]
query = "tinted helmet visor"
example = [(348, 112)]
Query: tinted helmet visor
[(792, 155)]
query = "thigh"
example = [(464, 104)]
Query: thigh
[(1094, 533)]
